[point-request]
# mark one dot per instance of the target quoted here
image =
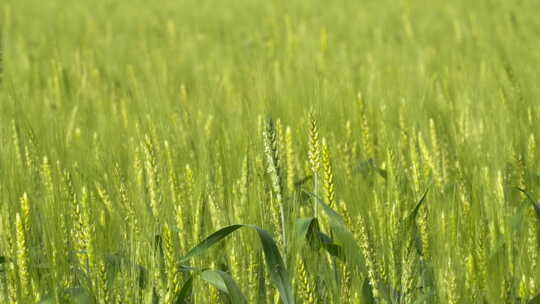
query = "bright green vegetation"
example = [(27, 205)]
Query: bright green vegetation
[(269, 151)]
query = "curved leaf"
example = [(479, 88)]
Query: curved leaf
[(307, 229), (210, 241), (334, 250), (414, 213), (302, 226), (343, 236), (410, 228), (219, 279), (184, 296), (278, 273), (224, 282), (276, 267)]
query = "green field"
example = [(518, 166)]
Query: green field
[(283, 151)]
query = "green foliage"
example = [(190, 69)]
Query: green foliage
[(276, 267), (380, 151)]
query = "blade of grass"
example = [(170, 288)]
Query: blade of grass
[(184, 296), (343, 236), (278, 272), (308, 230), (223, 281)]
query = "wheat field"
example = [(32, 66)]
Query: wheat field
[(287, 151)]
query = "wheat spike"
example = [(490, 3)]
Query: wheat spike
[(328, 176)]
